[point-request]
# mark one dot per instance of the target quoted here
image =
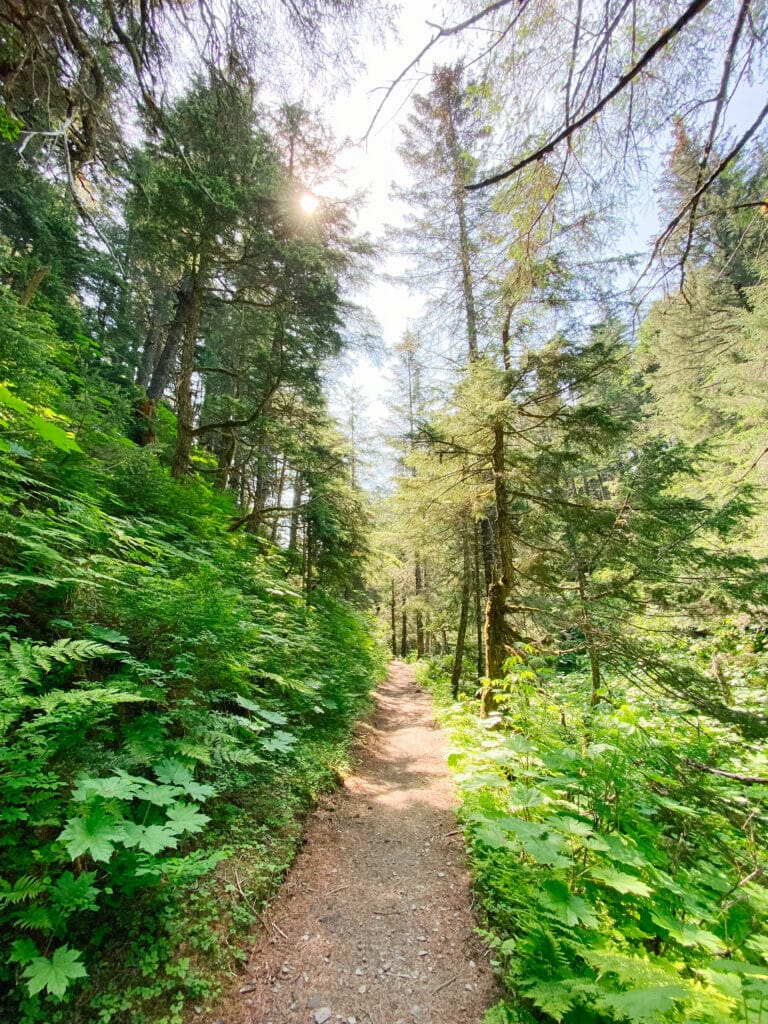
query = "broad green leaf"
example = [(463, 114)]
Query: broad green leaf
[(22, 951), (154, 838), (12, 401), (54, 975), (61, 439), (493, 836), (108, 636), (95, 834), (275, 717), (571, 910), (739, 967), (278, 742), (177, 774), (547, 850), (644, 1005), (526, 797), (687, 934), (186, 818), (159, 794), (569, 826), (473, 781), (621, 882), (114, 787), (622, 852)]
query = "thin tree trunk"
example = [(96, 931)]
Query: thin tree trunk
[(393, 621), (163, 367), (226, 460), (478, 604), (309, 561), (293, 535), (418, 580), (589, 638), (463, 616), (278, 500), (458, 174), (404, 634), (185, 423)]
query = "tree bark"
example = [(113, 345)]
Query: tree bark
[(478, 604), (451, 95), (419, 587), (298, 488), (185, 423), (393, 621), (463, 616), (496, 631), (33, 284)]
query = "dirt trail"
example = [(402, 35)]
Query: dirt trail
[(373, 924)]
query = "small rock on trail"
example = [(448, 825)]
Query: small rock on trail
[(374, 922)]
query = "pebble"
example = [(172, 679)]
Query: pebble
[(363, 989), (323, 1014)]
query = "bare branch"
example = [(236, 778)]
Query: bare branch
[(441, 33), (653, 51), (720, 101)]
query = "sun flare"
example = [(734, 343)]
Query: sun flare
[(309, 203)]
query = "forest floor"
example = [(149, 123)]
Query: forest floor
[(374, 923)]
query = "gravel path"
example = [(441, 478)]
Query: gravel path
[(373, 924)]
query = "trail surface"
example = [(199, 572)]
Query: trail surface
[(373, 924)]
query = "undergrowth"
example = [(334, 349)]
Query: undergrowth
[(170, 705), (621, 878)]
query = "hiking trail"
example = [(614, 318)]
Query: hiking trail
[(373, 924)]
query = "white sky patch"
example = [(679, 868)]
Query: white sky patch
[(372, 166)]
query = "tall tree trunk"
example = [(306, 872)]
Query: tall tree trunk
[(464, 614), (160, 360), (226, 460), (496, 631), (309, 563), (418, 582), (180, 464), (298, 487), (393, 620), (589, 637), (458, 174), (185, 420), (404, 634), (278, 500), (479, 602)]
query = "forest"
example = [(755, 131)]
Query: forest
[(564, 524)]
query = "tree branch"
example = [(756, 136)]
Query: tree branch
[(748, 780), (663, 40), (442, 33)]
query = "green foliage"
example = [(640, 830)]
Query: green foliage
[(155, 668), (619, 879)]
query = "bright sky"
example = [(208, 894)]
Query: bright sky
[(373, 166)]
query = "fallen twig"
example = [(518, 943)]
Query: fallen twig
[(445, 984)]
